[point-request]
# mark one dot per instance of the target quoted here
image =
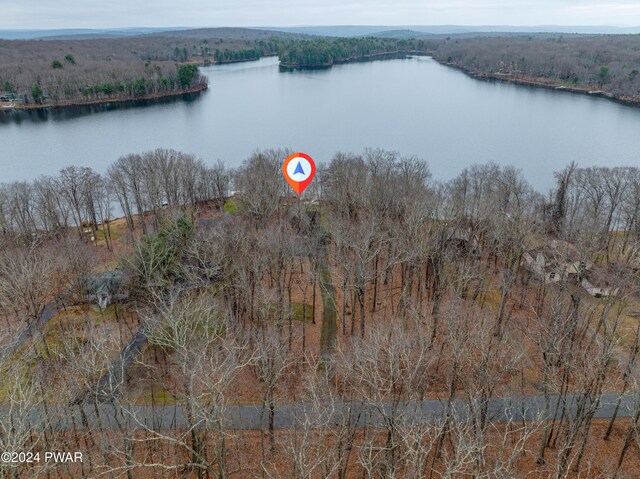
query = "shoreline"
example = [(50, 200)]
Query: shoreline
[(361, 59), (7, 108), (228, 62), (105, 102), (231, 62), (533, 83)]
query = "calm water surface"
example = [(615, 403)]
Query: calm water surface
[(415, 106)]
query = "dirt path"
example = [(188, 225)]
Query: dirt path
[(329, 330)]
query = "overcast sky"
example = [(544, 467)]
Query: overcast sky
[(160, 13)]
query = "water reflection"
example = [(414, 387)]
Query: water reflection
[(67, 113)]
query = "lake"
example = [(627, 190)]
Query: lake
[(414, 106)]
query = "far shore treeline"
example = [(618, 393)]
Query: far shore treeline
[(36, 73), (324, 53), (607, 63), (63, 72), (69, 72)]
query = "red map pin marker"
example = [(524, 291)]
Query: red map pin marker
[(299, 169)]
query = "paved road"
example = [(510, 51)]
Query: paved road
[(104, 415)]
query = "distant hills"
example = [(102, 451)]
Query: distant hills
[(80, 33), (388, 31)]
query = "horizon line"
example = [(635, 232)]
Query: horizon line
[(197, 27)]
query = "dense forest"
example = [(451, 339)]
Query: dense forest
[(326, 52), (382, 325), (51, 72), (610, 63)]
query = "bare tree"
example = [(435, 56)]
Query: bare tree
[(273, 358), (259, 183)]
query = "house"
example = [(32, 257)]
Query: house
[(597, 283), (541, 266), (555, 262), (599, 291), (462, 241), (105, 288), (547, 268)]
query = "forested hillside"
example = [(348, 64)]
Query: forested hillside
[(36, 72), (74, 71), (610, 63), (58, 72)]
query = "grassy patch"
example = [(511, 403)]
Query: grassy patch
[(301, 312), (273, 312), (233, 206), (161, 396), (59, 350), (628, 309), (77, 316), (117, 229), (627, 330), (492, 298)]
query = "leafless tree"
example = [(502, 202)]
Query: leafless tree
[(259, 183)]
